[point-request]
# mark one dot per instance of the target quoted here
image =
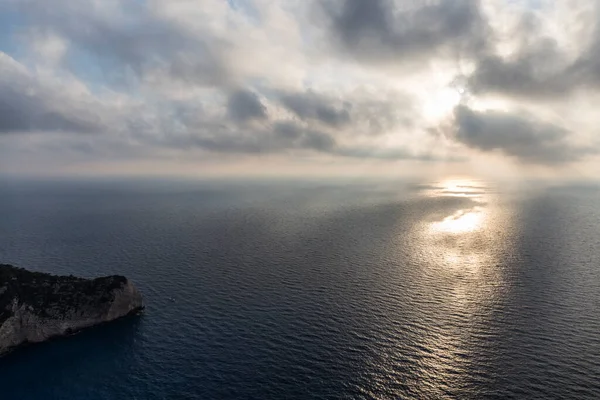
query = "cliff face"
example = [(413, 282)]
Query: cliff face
[(35, 306)]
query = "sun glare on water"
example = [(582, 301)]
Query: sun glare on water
[(461, 221), (464, 220)]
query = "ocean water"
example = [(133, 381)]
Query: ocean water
[(432, 290)]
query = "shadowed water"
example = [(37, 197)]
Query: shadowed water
[(451, 289)]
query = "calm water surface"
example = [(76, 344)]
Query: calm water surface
[(451, 289)]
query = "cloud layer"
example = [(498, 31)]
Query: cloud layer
[(515, 135), (337, 79)]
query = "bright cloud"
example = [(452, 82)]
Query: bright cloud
[(192, 84)]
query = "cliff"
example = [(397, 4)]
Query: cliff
[(36, 306)]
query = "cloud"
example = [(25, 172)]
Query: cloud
[(387, 30), (310, 106), (392, 154), (28, 104), (359, 112), (244, 105), (544, 64), (324, 123), (296, 136), (276, 137), (534, 72), (516, 135), (131, 37), (159, 78), (284, 137)]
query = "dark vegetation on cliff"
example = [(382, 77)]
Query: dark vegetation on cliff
[(54, 296)]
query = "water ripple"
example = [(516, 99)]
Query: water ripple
[(451, 289)]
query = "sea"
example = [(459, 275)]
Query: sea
[(453, 288)]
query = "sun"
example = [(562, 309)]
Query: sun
[(442, 103)]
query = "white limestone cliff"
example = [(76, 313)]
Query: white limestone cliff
[(35, 307)]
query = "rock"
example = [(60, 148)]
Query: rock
[(35, 306)]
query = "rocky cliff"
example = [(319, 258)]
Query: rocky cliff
[(35, 306)]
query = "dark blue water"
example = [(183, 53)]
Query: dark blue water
[(295, 291)]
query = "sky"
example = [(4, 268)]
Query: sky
[(300, 87)]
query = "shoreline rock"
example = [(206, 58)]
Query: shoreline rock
[(35, 306)]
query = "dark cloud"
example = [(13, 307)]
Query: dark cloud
[(396, 31), (538, 68), (26, 107), (244, 105), (324, 124), (131, 39), (518, 136), (376, 30), (283, 137), (520, 76), (310, 106), (19, 114), (389, 154), (296, 136), (278, 137), (287, 130), (134, 38), (359, 113), (528, 76), (201, 67)]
